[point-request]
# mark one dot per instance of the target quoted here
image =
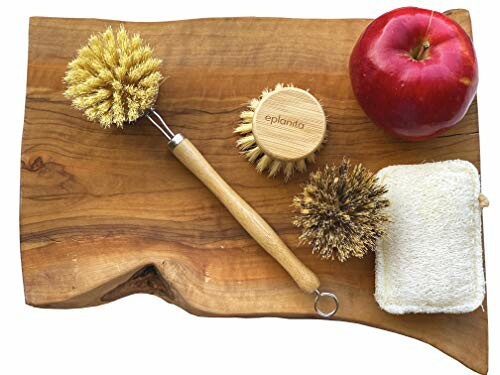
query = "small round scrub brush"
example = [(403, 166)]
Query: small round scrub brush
[(115, 80), (341, 211), (282, 130)]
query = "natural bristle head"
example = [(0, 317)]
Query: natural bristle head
[(341, 211), (114, 79)]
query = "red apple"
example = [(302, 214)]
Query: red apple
[(414, 72)]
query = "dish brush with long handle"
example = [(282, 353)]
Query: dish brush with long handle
[(115, 80)]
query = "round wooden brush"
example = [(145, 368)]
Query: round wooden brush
[(115, 80), (282, 130)]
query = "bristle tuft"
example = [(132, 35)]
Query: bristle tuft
[(114, 79), (254, 153), (246, 142), (243, 128), (341, 211), (274, 167), (288, 170), (301, 166), (264, 163)]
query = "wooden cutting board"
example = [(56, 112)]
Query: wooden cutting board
[(108, 213)]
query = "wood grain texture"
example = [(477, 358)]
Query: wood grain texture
[(107, 213)]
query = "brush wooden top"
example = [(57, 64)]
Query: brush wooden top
[(289, 124)]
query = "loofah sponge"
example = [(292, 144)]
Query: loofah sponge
[(430, 260)]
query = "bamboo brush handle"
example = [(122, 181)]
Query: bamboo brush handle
[(249, 219)]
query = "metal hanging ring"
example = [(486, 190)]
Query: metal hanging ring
[(318, 296)]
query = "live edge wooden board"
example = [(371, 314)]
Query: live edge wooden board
[(108, 213)]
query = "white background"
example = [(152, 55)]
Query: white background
[(142, 333)]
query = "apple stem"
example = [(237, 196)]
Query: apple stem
[(421, 53)]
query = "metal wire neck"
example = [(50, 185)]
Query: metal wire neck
[(160, 124)]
